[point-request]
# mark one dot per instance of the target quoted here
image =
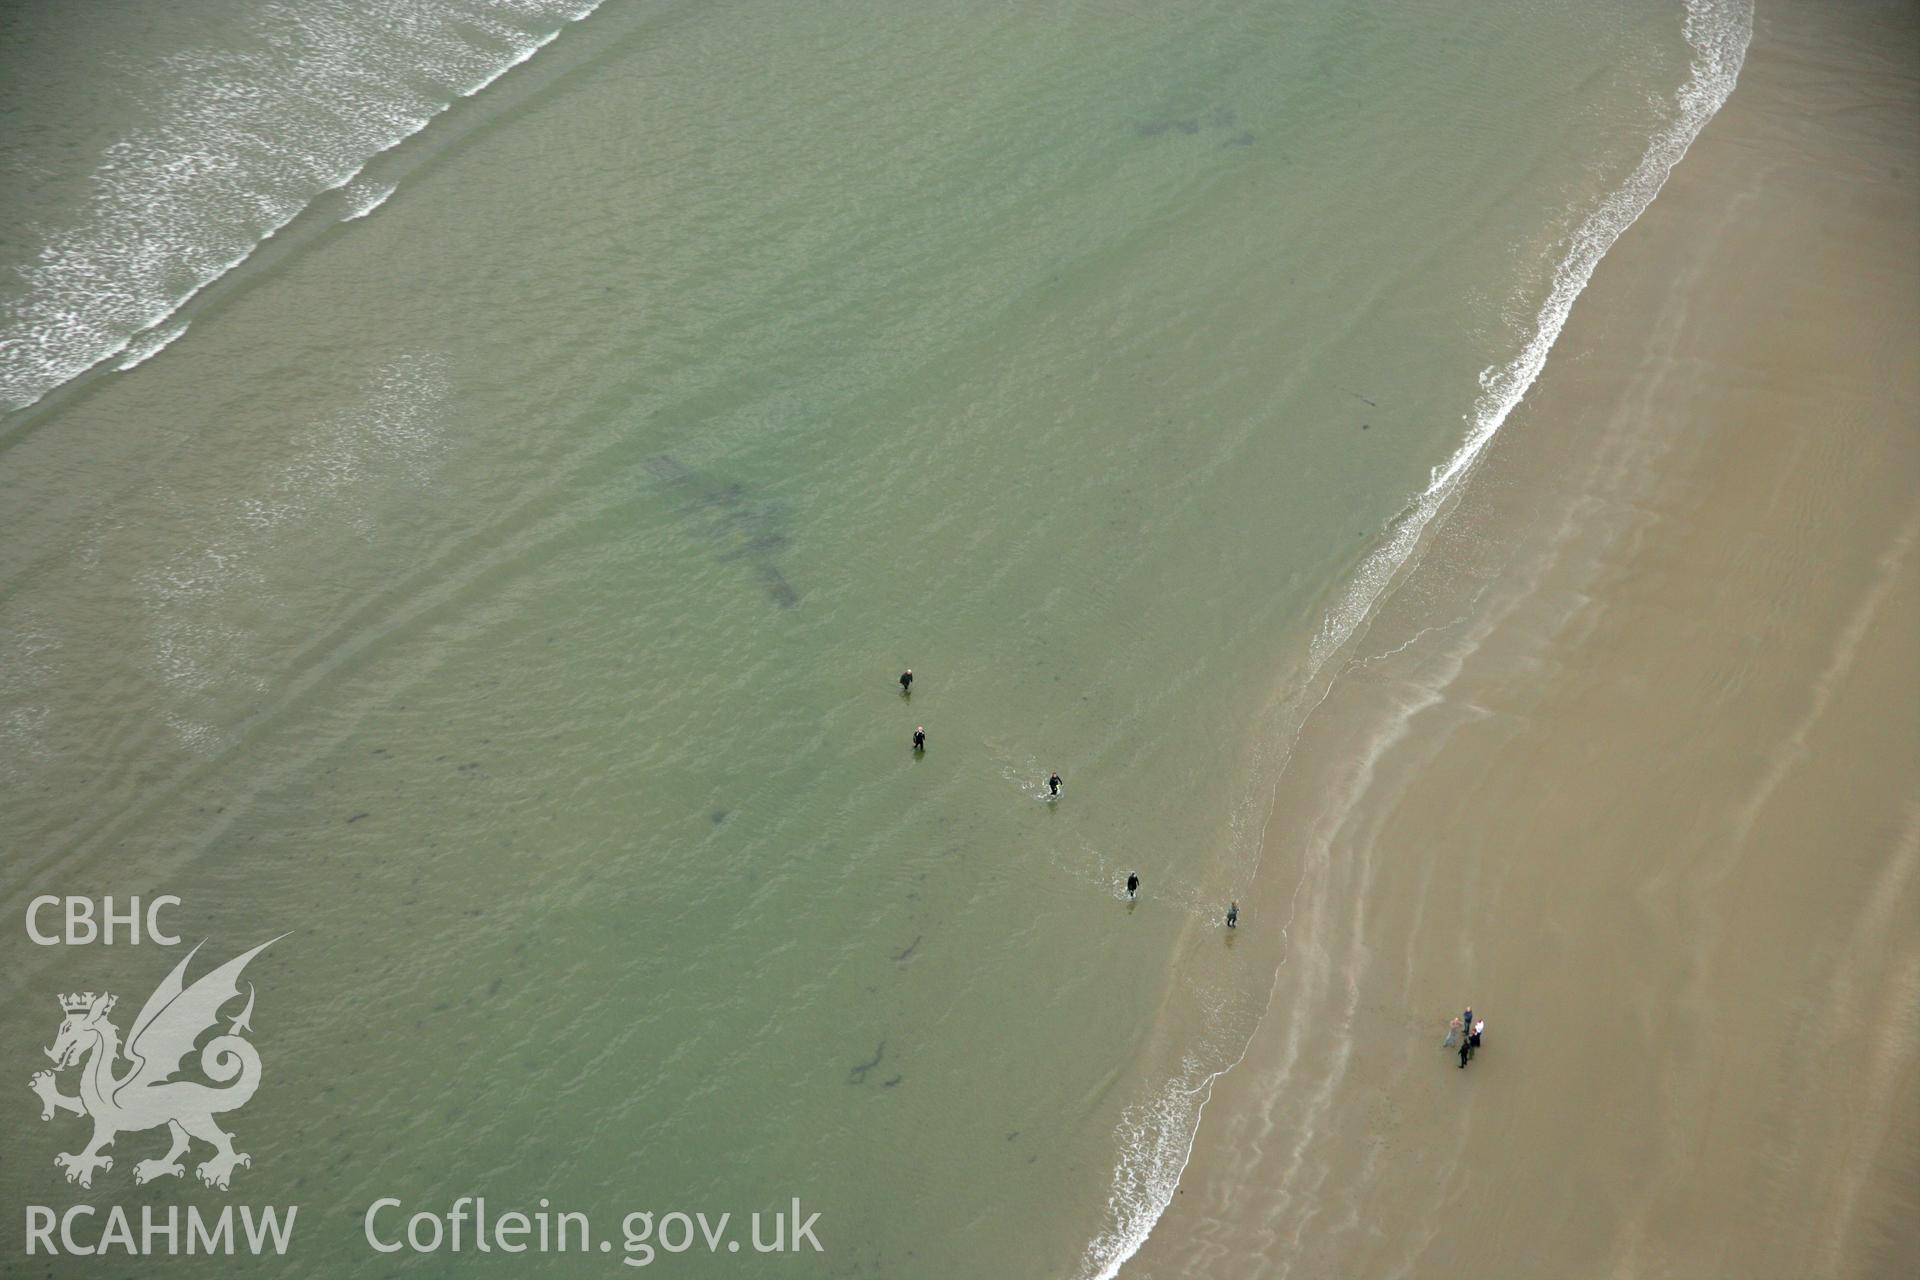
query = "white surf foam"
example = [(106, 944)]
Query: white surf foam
[(363, 202), (146, 346), (241, 140), (1156, 1139), (1718, 31)]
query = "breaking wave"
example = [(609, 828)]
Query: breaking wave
[(242, 139), (1156, 1137)]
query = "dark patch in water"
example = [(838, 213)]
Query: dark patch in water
[(671, 470), (1218, 120), (355, 818), (779, 588), (719, 816), (726, 498), (888, 1084), (858, 1075), (746, 529), (911, 948)]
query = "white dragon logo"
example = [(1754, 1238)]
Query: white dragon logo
[(146, 1096)]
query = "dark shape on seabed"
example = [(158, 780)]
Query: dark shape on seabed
[(779, 588), (858, 1075), (746, 529), (668, 469), (911, 948), (1218, 118)]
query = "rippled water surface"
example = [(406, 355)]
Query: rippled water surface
[(499, 576)]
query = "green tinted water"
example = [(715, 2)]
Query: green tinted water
[(503, 591)]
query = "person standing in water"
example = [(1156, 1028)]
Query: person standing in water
[(906, 681), (1133, 884), (1053, 784), (920, 739), (1233, 915)]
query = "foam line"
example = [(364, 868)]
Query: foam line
[(189, 197), (367, 202), (146, 346), (1154, 1152)]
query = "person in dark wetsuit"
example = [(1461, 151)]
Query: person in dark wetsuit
[(1233, 915), (920, 738), (1133, 883), (906, 680), (1053, 784), (1470, 1042)]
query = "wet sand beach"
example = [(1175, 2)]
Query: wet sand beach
[(1627, 762)]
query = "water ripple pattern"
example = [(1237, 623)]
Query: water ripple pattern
[(236, 142)]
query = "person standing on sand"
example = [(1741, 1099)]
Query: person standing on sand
[(1133, 884), (1470, 1043), (920, 739), (906, 681)]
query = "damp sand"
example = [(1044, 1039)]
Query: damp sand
[(1628, 762)]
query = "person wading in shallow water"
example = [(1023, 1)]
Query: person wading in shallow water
[(906, 680), (1133, 884), (1233, 915), (1053, 784), (920, 738)]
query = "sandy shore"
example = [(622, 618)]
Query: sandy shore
[(1628, 762)]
